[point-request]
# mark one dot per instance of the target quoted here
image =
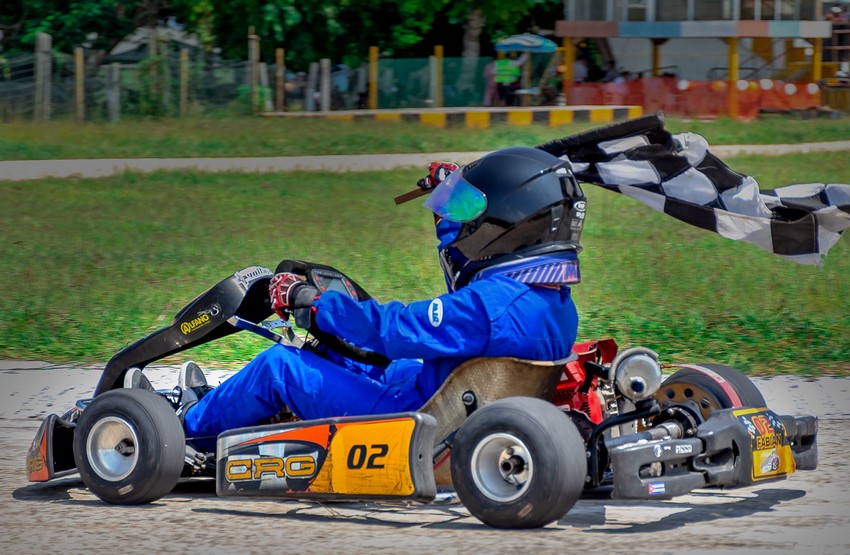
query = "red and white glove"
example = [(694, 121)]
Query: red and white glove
[(437, 172), (289, 292)]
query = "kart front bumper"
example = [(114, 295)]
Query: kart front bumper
[(51, 453)]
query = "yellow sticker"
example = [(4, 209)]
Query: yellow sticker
[(772, 455), (773, 463), (369, 458)]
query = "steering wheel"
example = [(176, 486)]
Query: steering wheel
[(327, 278)]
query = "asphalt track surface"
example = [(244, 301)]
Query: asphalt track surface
[(808, 514), (40, 169)]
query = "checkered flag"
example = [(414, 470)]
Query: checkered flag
[(677, 175)]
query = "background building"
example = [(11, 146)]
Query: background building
[(730, 42), (776, 37)]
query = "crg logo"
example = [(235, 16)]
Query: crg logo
[(250, 468)]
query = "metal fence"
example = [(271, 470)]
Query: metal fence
[(49, 85), (161, 86), (17, 87)]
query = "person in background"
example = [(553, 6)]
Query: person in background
[(831, 45), (509, 77), (580, 71), (491, 89), (611, 72), (843, 28)]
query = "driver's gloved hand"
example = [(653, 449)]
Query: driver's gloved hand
[(289, 292), (437, 172)]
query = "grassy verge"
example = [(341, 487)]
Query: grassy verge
[(92, 265), (289, 137)]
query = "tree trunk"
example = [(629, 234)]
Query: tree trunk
[(472, 34), (148, 13), (471, 53)]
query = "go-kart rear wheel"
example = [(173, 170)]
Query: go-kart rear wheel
[(518, 463), (129, 446), (712, 387)]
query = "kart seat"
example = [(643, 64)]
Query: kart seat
[(482, 381)]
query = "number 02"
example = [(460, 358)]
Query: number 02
[(370, 456)]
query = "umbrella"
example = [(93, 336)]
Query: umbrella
[(526, 42)]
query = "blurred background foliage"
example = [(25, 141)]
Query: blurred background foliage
[(340, 29)]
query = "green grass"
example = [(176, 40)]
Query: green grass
[(171, 138), (91, 265)]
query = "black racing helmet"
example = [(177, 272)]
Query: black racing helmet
[(511, 204)]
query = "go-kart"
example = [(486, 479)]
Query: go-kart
[(518, 440)]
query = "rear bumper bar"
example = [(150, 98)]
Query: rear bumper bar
[(733, 448)]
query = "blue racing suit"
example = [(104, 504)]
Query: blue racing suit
[(425, 340)]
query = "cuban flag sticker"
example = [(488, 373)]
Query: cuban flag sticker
[(435, 312), (656, 488)]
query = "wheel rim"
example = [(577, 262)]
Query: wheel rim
[(111, 448), (677, 393), (502, 467)]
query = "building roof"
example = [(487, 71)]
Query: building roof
[(141, 37), (694, 29)]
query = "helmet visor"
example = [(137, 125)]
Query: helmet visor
[(456, 199)]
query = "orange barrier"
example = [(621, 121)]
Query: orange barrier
[(699, 98)]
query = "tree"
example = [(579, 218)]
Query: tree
[(99, 23), (345, 29), (497, 17), (340, 30)]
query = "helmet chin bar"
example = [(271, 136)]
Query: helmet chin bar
[(471, 270)]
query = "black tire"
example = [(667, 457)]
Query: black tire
[(703, 385), (129, 446), (547, 467)]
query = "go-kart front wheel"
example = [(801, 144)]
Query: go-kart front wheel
[(129, 446), (518, 463), (712, 387)]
